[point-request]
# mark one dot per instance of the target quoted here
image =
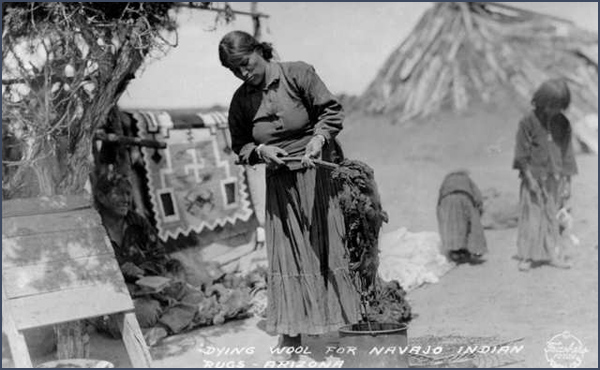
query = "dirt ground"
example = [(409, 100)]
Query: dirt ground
[(493, 298), (490, 299)]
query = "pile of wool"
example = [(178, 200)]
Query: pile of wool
[(232, 296), (223, 302), (388, 303), (363, 217)]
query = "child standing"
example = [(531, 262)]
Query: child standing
[(545, 160)]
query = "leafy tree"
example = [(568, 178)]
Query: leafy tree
[(64, 67)]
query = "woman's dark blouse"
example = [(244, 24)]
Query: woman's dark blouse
[(293, 106)]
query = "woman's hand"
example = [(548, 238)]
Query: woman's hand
[(313, 151), (270, 155)]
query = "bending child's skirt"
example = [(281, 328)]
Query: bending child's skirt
[(460, 225)]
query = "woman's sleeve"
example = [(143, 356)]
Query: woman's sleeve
[(324, 107), (242, 141), (522, 147)]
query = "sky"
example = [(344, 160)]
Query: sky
[(346, 42)]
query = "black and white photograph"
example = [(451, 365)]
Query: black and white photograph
[(299, 184)]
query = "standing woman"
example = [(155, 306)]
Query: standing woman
[(545, 160), (285, 110)]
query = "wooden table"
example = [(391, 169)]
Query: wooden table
[(58, 266)]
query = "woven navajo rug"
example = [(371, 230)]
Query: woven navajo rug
[(194, 183)]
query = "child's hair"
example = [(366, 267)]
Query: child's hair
[(552, 93)]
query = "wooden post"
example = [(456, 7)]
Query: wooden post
[(134, 341), (73, 341), (255, 20)]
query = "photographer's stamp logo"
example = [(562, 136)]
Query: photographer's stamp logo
[(565, 350)]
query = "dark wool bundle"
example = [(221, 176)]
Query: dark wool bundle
[(363, 217), (387, 303)]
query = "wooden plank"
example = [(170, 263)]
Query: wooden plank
[(44, 205), (56, 246), (62, 275), (52, 222), (69, 305), (16, 339), (134, 341)]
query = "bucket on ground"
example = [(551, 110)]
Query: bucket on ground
[(377, 345)]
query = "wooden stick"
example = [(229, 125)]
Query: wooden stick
[(466, 16), (128, 140), (325, 164)]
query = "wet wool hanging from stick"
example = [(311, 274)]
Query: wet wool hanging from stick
[(364, 217)]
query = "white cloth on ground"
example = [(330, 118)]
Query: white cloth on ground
[(413, 259)]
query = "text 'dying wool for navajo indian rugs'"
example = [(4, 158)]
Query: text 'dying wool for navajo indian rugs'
[(194, 183)]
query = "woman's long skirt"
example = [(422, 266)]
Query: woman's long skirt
[(460, 225), (309, 287), (538, 237)]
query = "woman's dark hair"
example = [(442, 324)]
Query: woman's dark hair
[(552, 93), (236, 45)]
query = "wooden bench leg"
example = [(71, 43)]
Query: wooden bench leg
[(16, 339), (134, 341)]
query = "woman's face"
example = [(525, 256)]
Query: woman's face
[(251, 69), (117, 201)]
